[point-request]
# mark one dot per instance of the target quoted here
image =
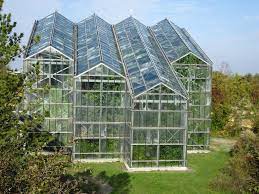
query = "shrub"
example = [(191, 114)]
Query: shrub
[(241, 174)]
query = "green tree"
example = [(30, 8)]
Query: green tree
[(1, 4), (220, 100), (234, 103), (9, 40)]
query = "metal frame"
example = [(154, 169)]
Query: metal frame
[(56, 102), (199, 120), (106, 120), (104, 77), (147, 126)]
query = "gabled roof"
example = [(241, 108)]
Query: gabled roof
[(176, 42), (139, 53), (54, 30), (96, 44), (144, 62)]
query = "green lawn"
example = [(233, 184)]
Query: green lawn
[(203, 168)]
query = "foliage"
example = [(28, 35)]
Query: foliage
[(220, 104), (190, 59), (17, 125), (42, 174), (9, 168), (170, 152), (241, 174), (112, 145), (149, 152), (144, 152), (22, 168), (1, 4), (9, 41), (235, 103), (87, 146)]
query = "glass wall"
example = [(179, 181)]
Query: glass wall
[(102, 114), (54, 95), (196, 76), (158, 135)]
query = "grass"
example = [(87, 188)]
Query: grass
[(204, 167)]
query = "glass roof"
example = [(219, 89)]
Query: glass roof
[(146, 51), (62, 38), (95, 44), (197, 47), (145, 64), (176, 42), (169, 40), (43, 29), (88, 52), (54, 30)]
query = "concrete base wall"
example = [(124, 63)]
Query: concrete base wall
[(198, 151), (97, 160), (148, 169), (141, 169)]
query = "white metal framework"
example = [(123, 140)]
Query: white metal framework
[(122, 92)]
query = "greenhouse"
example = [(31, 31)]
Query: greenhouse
[(123, 92)]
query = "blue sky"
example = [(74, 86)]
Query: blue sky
[(227, 30)]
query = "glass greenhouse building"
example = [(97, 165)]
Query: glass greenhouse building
[(127, 92)]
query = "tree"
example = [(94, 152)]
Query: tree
[(235, 102), (220, 100), (9, 40), (1, 4)]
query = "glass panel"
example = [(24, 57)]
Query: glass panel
[(144, 152), (54, 30), (147, 136), (143, 59), (171, 152)]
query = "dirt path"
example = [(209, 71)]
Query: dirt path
[(217, 143)]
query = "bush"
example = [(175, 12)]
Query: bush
[(234, 103), (241, 174)]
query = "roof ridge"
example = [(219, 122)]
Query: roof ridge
[(168, 63), (152, 62), (161, 78), (155, 64), (46, 28), (177, 51)]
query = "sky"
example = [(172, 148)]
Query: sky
[(227, 30)]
